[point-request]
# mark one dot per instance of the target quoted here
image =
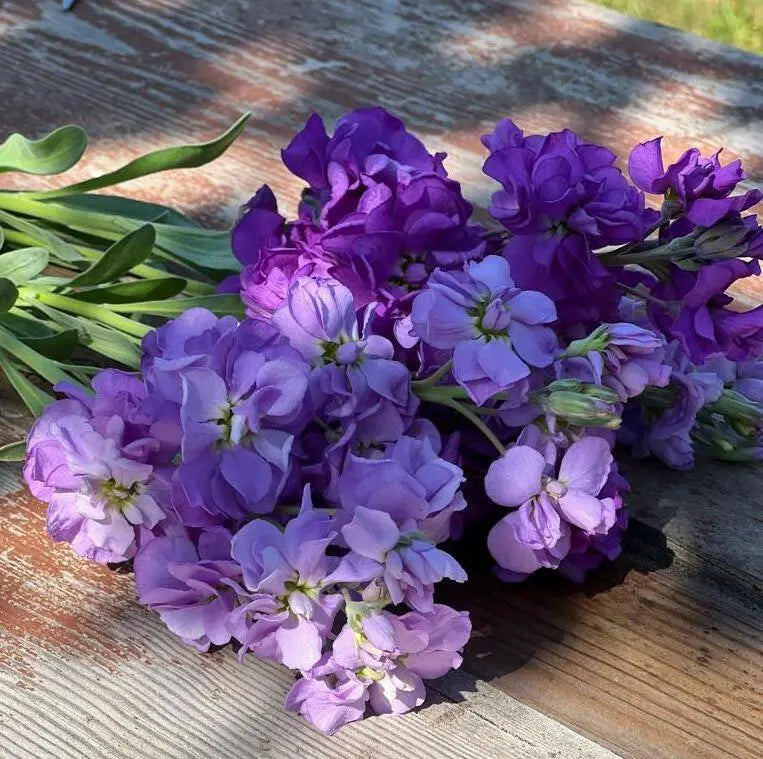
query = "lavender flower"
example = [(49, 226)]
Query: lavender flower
[(406, 560), (286, 614), (538, 533), (191, 585), (495, 329), (380, 660), (91, 462)]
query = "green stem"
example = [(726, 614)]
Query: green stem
[(434, 378), (92, 311), (648, 298)]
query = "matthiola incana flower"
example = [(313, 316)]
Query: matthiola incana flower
[(698, 187), (94, 465), (408, 481), (379, 661), (285, 614), (562, 199), (495, 329), (549, 503), (624, 357), (191, 585), (406, 559), (691, 306), (355, 379)]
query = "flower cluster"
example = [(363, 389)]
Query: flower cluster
[(292, 484)]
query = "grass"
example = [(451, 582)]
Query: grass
[(734, 22)]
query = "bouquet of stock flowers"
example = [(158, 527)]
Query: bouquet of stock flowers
[(285, 483)]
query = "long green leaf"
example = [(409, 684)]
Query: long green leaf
[(45, 367), (58, 346), (23, 264), (181, 157), (13, 451), (116, 205), (131, 292), (54, 244), (133, 249), (52, 154), (221, 305), (8, 295), (24, 325), (207, 248), (108, 342), (34, 398)]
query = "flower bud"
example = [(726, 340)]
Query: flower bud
[(726, 240), (583, 410)]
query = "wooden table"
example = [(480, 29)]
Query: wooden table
[(658, 655)]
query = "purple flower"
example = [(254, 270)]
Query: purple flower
[(406, 560), (695, 313), (624, 357), (191, 586), (287, 614), (409, 481), (538, 533), (367, 143), (380, 660), (238, 416), (562, 199), (355, 379), (701, 186), (89, 461), (495, 329)]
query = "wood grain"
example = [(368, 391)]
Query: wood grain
[(658, 656)]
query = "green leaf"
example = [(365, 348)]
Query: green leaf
[(116, 205), (24, 325), (130, 292), (207, 248), (52, 154), (23, 264), (133, 249), (8, 295), (222, 305), (108, 342), (34, 398), (42, 365), (13, 451), (54, 244), (59, 345), (181, 157)]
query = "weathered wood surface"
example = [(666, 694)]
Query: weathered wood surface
[(657, 656)]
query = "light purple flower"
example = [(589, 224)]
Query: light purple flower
[(405, 559), (380, 660), (495, 329), (191, 585), (538, 533), (409, 481), (90, 463), (287, 614)]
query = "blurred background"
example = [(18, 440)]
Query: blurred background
[(733, 22)]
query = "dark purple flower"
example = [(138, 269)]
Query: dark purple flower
[(562, 199), (191, 585), (694, 311), (702, 187), (91, 462)]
